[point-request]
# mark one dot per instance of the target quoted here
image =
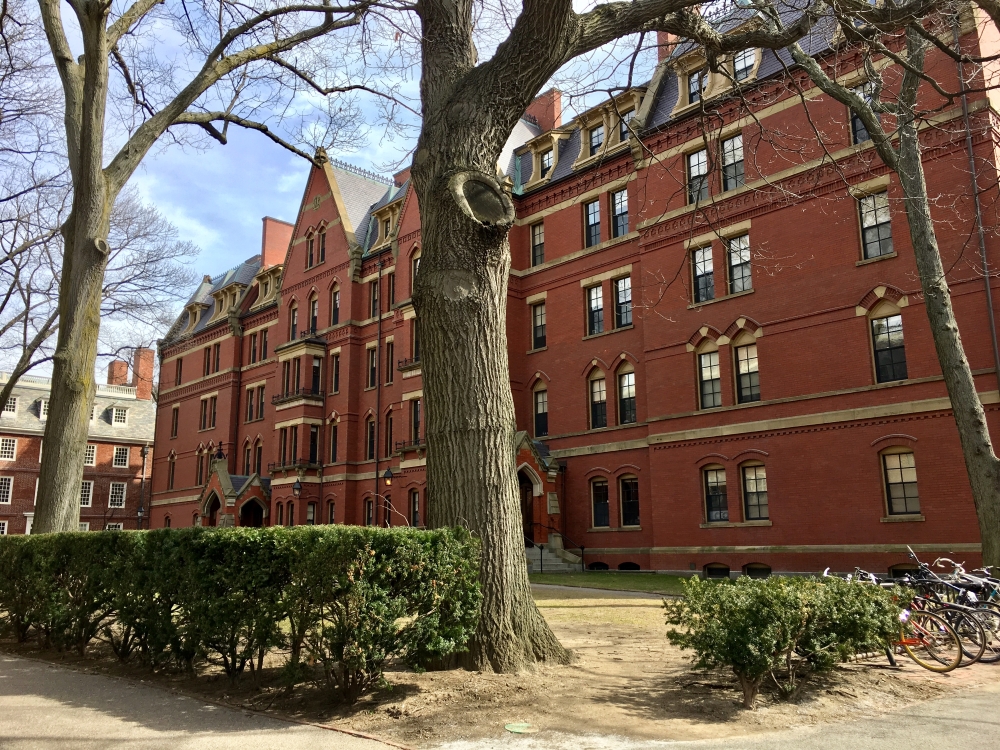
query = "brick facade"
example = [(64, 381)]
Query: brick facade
[(804, 456)]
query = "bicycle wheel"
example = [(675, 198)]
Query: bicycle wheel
[(930, 641), (989, 618), (970, 632)]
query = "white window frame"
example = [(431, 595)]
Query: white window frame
[(10, 408), (114, 460), (89, 484), (119, 526), (114, 416), (84, 526), (3, 528), (111, 494), (9, 492), (4, 443), (43, 409), (90, 450)]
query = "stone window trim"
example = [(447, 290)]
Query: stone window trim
[(759, 488), (718, 83), (539, 145), (609, 116), (392, 213), (8, 449), (888, 514)]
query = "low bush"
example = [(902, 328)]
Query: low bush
[(764, 627), (350, 598)]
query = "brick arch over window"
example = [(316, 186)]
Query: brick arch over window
[(626, 470), (897, 439), (598, 472), (751, 454), (710, 458), (884, 296), (539, 379), (742, 325), (702, 337), (595, 363)]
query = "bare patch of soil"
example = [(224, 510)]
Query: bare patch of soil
[(626, 680)]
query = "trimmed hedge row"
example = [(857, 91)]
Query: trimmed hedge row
[(344, 597), (781, 624)]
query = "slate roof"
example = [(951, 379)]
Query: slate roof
[(359, 192), (27, 420), (242, 274)]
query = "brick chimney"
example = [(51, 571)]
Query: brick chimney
[(118, 373), (666, 43), (274, 241), (142, 373), (401, 176), (547, 109)]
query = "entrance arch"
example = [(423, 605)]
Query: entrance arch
[(212, 507), (530, 487), (252, 514)]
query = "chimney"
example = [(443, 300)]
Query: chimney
[(142, 373), (666, 43), (547, 109), (274, 242), (118, 373), (401, 176)]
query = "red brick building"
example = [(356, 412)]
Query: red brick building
[(718, 349), (119, 457)]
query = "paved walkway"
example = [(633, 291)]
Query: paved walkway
[(44, 707)]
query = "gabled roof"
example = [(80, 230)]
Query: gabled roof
[(242, 274)]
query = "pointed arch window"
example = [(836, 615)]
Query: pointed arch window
[(335, 306), (626, 395), (541, 410), (597, 387), (293, 323)]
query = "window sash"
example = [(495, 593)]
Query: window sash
[(601, 505), (596, 139), (876, 225), (704, 274), (537, 244), (697, 169), (538, 326), (629, 494), (901, 483), (740, 275), (592, 212), (890, 352), (120, 457), (747, 373), (598, 403), (716, 502), (619, 213), (732, 163), (626, 398), (624, 133), (116, 496), (710, 379), (372, 367), (755, 493), (595, 310), (546, 161), (541, 413), (8, 449), (86, 493), (696, 85), (623, 302), (6, 490), (743, 64), (90, 454)]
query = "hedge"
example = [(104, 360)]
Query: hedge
[(344, 597), (781, 625)]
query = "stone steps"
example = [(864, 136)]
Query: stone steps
[(540, 560)]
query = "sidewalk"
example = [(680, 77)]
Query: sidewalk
[(44, 707)]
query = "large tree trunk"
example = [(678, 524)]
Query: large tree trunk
[(980, 461), (85, 257)]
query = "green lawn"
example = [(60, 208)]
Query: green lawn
[(654, 583)]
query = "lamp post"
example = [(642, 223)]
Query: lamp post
[(387, 477), (297, 488)]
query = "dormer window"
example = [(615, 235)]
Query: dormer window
[(266, 288), (624, 133), (596, 139), (386, 226), (43, 409), (10, 408), (696, 85), (546, 162), (743, 64), (119, 416)]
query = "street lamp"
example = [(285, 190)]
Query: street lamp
[(297, 488), (387, 477), (140, 512)]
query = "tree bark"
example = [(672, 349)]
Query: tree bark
[(981, 462)]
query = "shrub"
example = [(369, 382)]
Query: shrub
[(757, 627), (351, 597)]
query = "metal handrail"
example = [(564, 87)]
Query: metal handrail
[(402, 445), (408, 364), (298, 393), (291, 463), (583, 568)]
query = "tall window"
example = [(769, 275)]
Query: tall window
[(595, 139), (414, 508), (696, 85), (120, 460), (747, 374), (335, 376), (178, 368), (90, 455), (592, 219), (743, 64), (253, 348), (116, 497), (263, 344), (206, 367), (598, 403), (216, 357), (624, 131), (546, 162), (370, 439), (335, 307), (738, 254), (333, 444), (247, 459), (595, 310), (859, 133), (541, 413), (171, 466), (537, 243), (389, 369), (890, 355), (311, 514), (317, 375), (599, 499), (704, 274), (260, 402), (8, 449), (628, 489), (390, 281), (623, 301), (313, 315), (293, 324), (876, 227), (203, 423), (175, 420), (626, 398), (414, 267), (6, 491), (732, 163), (619, 213), (697, 176), (250, 405), (322, 245), (372, 367), (373, 308), (538, 326), (415, 339), (310, 251), (754, 493), (901, 483), (388, 435), (415, 420), (716, 504), (369, 512), (86, 493), (710, 380), (258, 457), (314, 444)]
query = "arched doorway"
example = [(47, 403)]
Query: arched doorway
[(527, 491), (251, 514), (213, 510)]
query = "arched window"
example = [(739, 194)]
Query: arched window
[(279, 516), (195, 519), (293, 323), (601, 517), (899, 469), (414, 508), (414, 265), (709, 375), (626, 394), (331, 512), (258, 457), (322, 244), (370, 439), (291, 513), (598, 394), (369, 512), (716, 502), (754, 483), (311, 514), (247, 459), (540, 400), (747, 375), (166, 522), (717, 571), (313, 314), (310, 250), (886, 322), (171, 470), (335, 306), (628, 495)]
